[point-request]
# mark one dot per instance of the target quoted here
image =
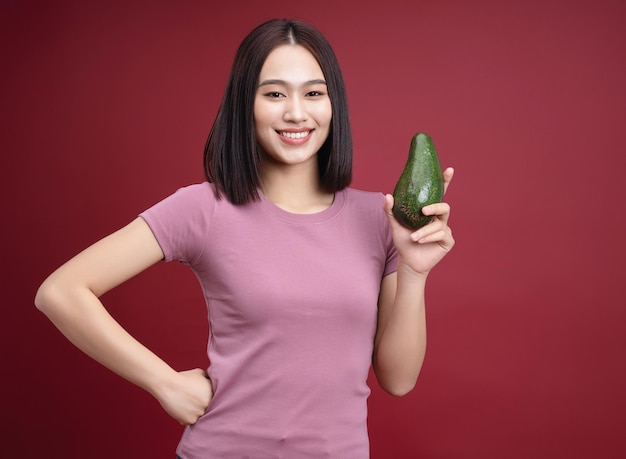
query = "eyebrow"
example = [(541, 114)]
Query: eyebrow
[(284, 83)]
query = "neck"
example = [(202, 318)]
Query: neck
[(295, 188)]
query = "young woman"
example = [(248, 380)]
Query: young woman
[(307, 282)]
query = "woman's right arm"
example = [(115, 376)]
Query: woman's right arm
[(70, 299)]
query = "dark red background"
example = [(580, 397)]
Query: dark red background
[(105, 110)]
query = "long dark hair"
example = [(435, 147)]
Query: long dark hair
[(231, 157)]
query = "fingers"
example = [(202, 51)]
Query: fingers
[(447, 178), (437, 229), (434, 233), (190, 398), (441, 210)]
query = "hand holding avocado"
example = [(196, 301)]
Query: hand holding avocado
[(420, 184), (417, 216)]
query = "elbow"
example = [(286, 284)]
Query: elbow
[(397, 380), (42, 297), (399, 389), (396, 384), (46, 297)]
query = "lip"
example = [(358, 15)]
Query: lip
[(294, 140)]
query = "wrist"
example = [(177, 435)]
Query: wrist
[(162, 383), (408, 274)]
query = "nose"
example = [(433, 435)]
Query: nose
[(294, 110)]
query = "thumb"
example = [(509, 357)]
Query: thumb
[(388, 206)]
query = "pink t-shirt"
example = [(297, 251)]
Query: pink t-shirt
[(292, 306)]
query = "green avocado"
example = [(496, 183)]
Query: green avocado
[(419, 185)]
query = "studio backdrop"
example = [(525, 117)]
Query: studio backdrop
[(106, 106)]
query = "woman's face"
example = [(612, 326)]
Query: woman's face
[(292, 110)]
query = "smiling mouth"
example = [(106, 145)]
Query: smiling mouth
[(294, 135)]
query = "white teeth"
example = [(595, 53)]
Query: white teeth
[(295, 135)]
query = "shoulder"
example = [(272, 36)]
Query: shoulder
[(365, 199), (366, 207), (181, 221), (366, 210), (201, 190), (196, 196), (191, 202)]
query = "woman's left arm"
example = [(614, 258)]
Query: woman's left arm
[(400, 342)]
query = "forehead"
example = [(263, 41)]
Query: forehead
[(291, 63)]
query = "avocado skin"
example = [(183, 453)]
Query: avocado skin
[(419, 185)]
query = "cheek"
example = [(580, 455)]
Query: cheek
[(257, 114), (266, 115), (261, 124), (324, 114), (329, 112)]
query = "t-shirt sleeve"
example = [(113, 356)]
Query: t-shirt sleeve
[(385, 235), (391, 264), (180, 222)]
